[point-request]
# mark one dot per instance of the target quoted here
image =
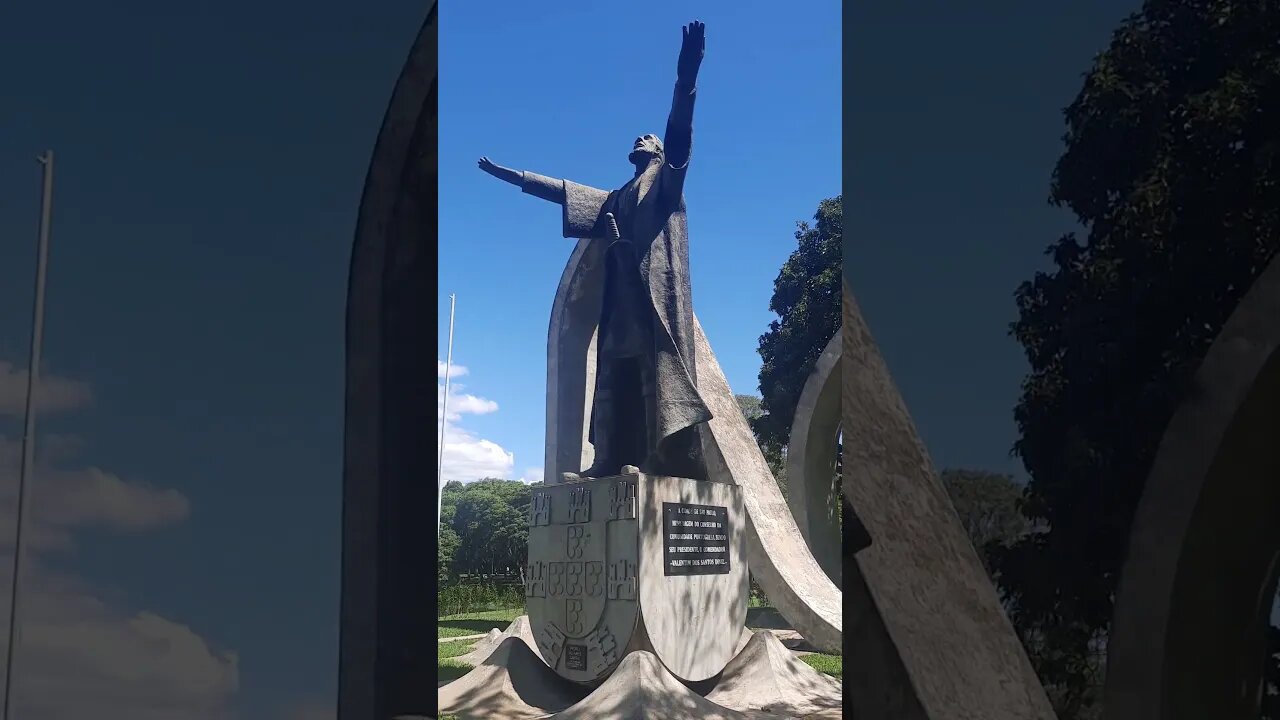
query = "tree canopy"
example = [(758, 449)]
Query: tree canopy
[(487, 529), (1170, 166), (806, 299), (987, 504)]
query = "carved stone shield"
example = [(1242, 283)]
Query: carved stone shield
[(581, 579)]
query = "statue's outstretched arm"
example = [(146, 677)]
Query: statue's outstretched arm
[(678, 142), (532, 183)]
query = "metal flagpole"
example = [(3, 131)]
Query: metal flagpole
[(444, 418), (29, 425)]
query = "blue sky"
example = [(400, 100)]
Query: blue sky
[(210, 162), (564, 89), (955, 127)]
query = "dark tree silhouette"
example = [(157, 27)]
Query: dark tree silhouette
[(1171, 165)]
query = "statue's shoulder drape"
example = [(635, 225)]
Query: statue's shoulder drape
[(650, 212)]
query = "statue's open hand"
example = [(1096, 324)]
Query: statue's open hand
[(691, 51), (488, 166)]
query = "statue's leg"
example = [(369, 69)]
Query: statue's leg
[(629, 418), (619, 417), (602, 411)]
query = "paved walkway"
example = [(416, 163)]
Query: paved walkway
[(462, 637)]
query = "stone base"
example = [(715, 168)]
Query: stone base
[(764, 681), (766, 676), (636, 562), (519, 629), (513, 683)]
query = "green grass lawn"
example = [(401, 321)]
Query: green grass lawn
[(454, 649), (449, 626), (832, 665), (449, 670), (475, 623)]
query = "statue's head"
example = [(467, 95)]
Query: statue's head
[(647, 149)]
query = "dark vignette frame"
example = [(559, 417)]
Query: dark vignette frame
[(853, 534), (388, 595)]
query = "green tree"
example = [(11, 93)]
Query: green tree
[(749, 405), (448, 547), (806, 299), (987, 504), (1171, 165), (490, 518)]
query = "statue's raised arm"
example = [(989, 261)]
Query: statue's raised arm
[(659, 164), (679, 135)]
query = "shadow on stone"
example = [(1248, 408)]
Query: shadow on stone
[(519, 629), (641, 688), (512, 683), (768, 677)]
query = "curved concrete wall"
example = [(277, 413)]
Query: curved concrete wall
[(927, 632), (571, 362), (1200, 575), (387, 645), (776, 553), (811, 460)]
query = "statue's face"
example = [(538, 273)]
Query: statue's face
[(647, 147)]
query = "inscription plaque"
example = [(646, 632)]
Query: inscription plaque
[(695, 539), (575, 656)]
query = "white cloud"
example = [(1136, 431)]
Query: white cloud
[(457, 372), (53, 393), (80, 655), (467, 456), (532, 475), (63, 500), (462, 404)]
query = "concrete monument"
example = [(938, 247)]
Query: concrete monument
[(1188, 634), (776, 552), (640, 543), (811, 460), (636, 562), (928, 632)]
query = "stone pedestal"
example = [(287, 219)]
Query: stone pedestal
[(636, 562)]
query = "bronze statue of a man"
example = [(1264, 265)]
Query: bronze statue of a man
[(646, 411)]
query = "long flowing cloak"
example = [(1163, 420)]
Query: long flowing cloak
[(650, 212)]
